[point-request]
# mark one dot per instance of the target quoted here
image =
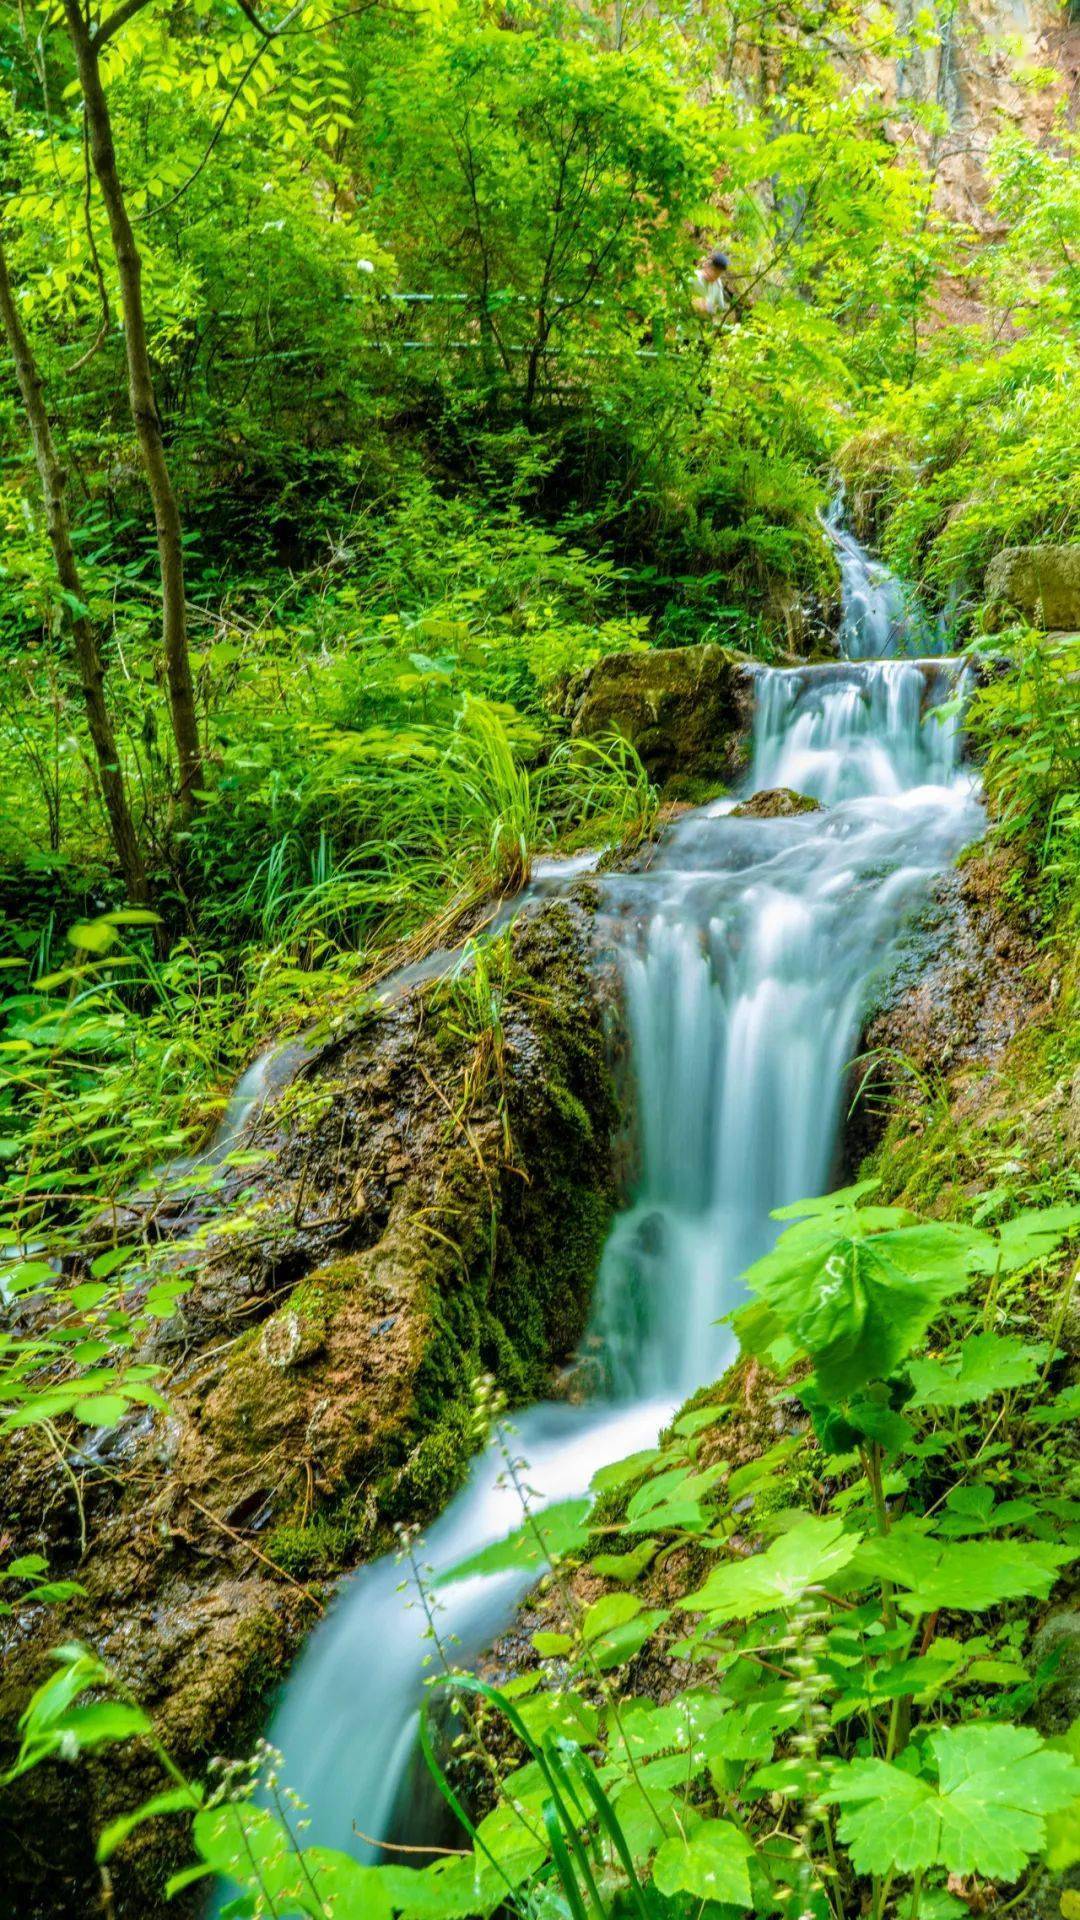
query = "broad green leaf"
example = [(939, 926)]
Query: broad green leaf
[(87, 1295), (711, 1864), (639, 1820), (966, 1576), (1061, 1411), (973, 1509), (676, 1488), (92, 936), (251, 1846), (101, 1409), (174, 1800), (564, 1714), (446, 1890), (620, 1643), (619, 1472), (984, 1364), (827, 1203), (673, 1516), (517, 1841), (699, 1418), (985, 1813), (809, 1554), (611, 1610), (109, 1262), (624, 1566), (25, 1567), (550, 1644), (561, 1530), (1063, 1828), (1034, 1235), (26, 1275), (858, 1303), (103, 1723)]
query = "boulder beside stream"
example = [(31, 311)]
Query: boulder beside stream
[(1042, 584), (687, 710), (433, 1196), (775, 803)]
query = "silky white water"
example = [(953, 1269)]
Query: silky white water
[(747, 949), (881, 616)]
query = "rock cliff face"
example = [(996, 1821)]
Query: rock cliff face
[(432, 1202), (979, 72)]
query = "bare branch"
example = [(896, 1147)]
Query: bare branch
[(95, 257)]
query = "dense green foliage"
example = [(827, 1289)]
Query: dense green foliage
[(443, 427), (851, 1717)]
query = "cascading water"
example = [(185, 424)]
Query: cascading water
[(746, 951), (880, 616)]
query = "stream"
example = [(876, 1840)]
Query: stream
[(747, 949)]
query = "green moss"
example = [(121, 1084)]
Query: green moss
[(322, 1545), (693, 789), (494, 1274), (435, 1468), (1003, 1128)]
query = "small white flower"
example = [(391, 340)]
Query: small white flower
[(366, 266)]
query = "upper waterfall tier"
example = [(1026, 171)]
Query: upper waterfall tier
[(838, 732), (881, 617)]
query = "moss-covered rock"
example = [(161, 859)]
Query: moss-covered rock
[(431, 1205), (963, 991), (686, 709), (1040, 583), (775, 803)]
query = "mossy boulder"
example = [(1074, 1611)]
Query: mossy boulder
[(685, 709), (429, 1206), (775, 803), (1042, 584)]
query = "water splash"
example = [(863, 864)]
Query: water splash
[(838, 732)]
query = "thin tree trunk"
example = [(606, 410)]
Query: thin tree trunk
[(144, 410), (87, 652)]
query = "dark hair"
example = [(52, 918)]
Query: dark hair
[(718, 259)]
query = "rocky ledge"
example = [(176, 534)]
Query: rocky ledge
[(687, 710), (965, 982), (430, 1199)]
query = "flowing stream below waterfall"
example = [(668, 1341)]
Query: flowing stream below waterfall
[(746, 949)]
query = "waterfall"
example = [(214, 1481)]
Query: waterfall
[(880, 616), (839, 732), (746, 952)]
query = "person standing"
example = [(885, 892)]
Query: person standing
[(712, 298)]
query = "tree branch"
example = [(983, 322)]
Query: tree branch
[(124, 12)]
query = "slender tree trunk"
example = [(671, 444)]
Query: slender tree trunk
[(144, 410), (87, 652)]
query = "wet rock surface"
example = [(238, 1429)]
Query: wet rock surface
[(962, 985), (775, 803), (685, 709), (431, 1203)]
